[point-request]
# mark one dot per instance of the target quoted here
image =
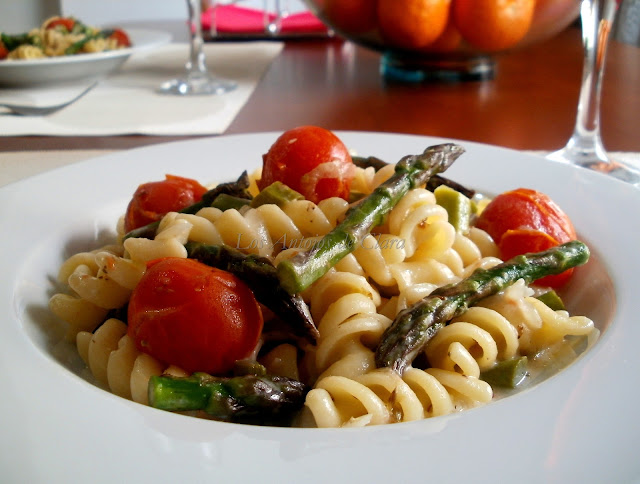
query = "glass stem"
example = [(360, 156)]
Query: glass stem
[(274, 25), (213, 30), (196, 63), (597, 19)]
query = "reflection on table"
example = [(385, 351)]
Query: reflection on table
[(529, 105)]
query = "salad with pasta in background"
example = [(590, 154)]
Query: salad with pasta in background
[(61, 36), (326, 290)]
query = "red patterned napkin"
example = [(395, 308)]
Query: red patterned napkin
[(234, 19)]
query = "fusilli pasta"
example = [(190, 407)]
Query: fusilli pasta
[(412, 253)]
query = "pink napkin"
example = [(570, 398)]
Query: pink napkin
[(234, 19)]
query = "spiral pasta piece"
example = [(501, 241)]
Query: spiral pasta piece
[(100, 280), (345, 306), (117, 364), (378, 254), (434, 397), (501, 330), (416, 219), (466, 391), (473, 342), (337, 401), (368, 179), (26, 52), (462, 347), (307, 217), (556, 325)]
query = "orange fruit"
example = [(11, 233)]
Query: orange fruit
[(412, 23), (351, 16), (448, 41), (493, 25)]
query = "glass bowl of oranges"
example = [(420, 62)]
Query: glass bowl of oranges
[(423, 40)]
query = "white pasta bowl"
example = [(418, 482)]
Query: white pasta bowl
[(55, 70), (554, 431)]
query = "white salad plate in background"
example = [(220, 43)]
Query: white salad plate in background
[(581, 425), (52, 70)]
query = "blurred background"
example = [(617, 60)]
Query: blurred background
[(25, 14), (627, 28)]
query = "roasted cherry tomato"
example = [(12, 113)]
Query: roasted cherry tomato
[(524, 208), (151, 201), (525, 220), (121, 38), (67, 23), (196, 317), (310, 160)]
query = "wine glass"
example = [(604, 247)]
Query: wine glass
[(273, 24), (585, 147), (197, 79)]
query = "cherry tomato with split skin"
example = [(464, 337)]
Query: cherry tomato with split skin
[(67, 23), (121, 38), (311, 160), (199, 318), (151, 201), (525, 220)]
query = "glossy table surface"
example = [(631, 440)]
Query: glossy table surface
[(530, 104)]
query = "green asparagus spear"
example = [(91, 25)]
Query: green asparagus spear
[(434, 182), (277, 194), (260, 275), (299, 272), (80, 28), (225, 201), (89, 35), (79, 45), (507, 373), (248, 367), (266, 400), (239, 189), (552, 299), (369, 161), (415, 326)]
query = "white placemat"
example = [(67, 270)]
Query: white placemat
[(128, 101), (22, 164)]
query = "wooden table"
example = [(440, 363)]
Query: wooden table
[(531, 103)]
